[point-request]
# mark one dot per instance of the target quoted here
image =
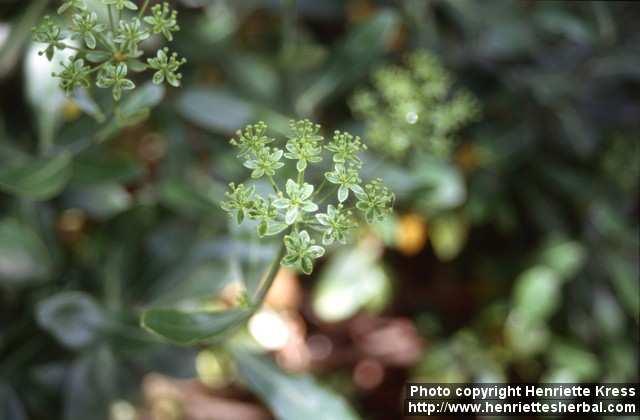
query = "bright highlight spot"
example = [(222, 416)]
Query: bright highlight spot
[(269, 329), (411, 117)]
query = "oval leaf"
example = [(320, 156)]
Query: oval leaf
[(23, 255), (191, 327), (39, 179), (290, 397), (74, 318)]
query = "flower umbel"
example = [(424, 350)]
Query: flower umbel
[(51, 34), (71, 4), (336, 224), (130, 35), (74, 74), (292, 209), (347, 178), (86, 26), (266, 162), (304, 144), (167, 67), (301, 251), (121, 4), (414, 107), (109, 45), (252, 139), (345, 147), (239, 200), (375, 201), (115, 77), (163, 20), (298, 201)]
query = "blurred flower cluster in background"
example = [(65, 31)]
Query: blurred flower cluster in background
[(508, 131)]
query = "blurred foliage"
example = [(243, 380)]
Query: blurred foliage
[(512, 256)]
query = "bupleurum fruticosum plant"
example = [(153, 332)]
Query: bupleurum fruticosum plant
[(106, 53), (414, 107), (309, 216)]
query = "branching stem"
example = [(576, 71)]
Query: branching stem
[(143, 9), (113, 27), (266, 283)]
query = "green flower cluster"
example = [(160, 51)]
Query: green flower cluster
[(414, 106), (106, 52), (299, 209)]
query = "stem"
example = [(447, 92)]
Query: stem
[(322, 184), (288, 46), (331, 191), (113, 27), (273, 184), (102, 39), (143, 9), (98, 67), (84, 50), (264, 287)]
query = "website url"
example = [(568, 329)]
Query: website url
[(489, 408)]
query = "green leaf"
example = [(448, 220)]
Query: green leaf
[(448, 236), (91, 384), (23, 256), (352, 280), (39, 179), (134, 108), (73, 318), (351, 60), (20, 32), (563, 256), (537, 294), (99, 167), (98, 56), (191, 327), (10, 405), (290, 397), (214, 110), (100, 201), (192, 197)]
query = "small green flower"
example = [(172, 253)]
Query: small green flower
[(85, 26), (266, 161), (266, 213), (252, 139), (163, 20), (72, 4), (375, 201), (301, 251), (74, 74), (129, 35), (167, 67), (345, 147), (239, 200), (115, 77), (121, 4), (304, 144), (48, 33), (336, 224), (347, 178), (297, 202)]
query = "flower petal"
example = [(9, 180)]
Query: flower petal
[(292, 215), (291, 187)]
